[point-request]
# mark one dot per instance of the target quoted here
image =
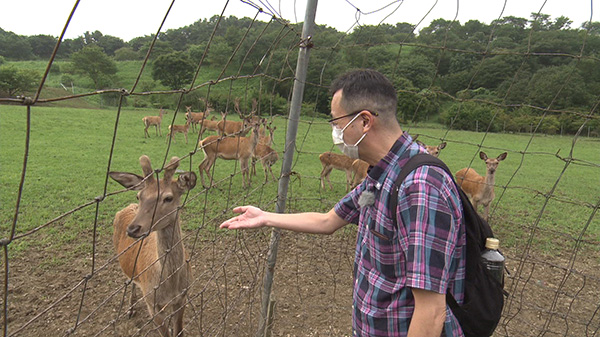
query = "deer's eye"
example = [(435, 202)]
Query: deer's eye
[(168, 198)]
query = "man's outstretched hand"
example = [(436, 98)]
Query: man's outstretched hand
[(250, 217)]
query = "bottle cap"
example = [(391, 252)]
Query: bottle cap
[(492, 243)]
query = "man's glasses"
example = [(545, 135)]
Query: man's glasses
[(352, 114)]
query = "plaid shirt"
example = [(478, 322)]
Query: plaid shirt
[(425, 251)]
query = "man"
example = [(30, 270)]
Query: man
[(402, 270)]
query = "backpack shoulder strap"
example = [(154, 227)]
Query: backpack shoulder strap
[(414, 162)]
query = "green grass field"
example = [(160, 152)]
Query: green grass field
[(70, 150)]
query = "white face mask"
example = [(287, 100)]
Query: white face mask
[(337, 135)]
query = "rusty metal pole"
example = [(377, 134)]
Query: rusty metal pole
[(288, 155)]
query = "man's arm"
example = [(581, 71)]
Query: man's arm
[(429, 315), (309, 222)]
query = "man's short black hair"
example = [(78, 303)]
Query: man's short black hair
[(366, 89)]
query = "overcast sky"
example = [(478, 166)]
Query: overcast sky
[(132, 18)]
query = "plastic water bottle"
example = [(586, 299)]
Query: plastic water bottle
[(493, 259)]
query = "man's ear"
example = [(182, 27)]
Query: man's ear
[(367, 121)]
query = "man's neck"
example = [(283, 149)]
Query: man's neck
[(379, 145)]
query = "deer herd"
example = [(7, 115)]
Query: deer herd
[(147, 235)]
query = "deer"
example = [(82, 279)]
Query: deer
[(209, 124), (263, 138), (173, 129), (197, 117), (153, 120), (480, 190), (228, 148), (158, 264), (331, 161), (251, 117), (432, 150), (359, 171), (232, 128), (267, 157), (264, 150)]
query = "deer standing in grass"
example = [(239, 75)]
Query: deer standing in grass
[(160, 269), (267, 157), (341, 162), (359, 171), (480, 190), (232, 128), (235, 128), (228, 148), (432, 150), (153, 120), (264, 150), (209, 125), (197, 117), (174, 129)]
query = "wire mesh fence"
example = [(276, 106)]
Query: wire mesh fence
[(61, 272)]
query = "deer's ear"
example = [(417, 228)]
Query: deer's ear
[(443, 145), (128, 180), (187, 180), (502, 156), (483, 156)]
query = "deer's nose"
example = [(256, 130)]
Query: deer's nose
[(134, 231)]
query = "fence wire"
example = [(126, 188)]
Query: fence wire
[(548, 232)]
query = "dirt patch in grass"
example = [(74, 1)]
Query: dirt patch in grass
[(312, 290)]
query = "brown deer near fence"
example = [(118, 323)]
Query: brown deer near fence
[(341, 162), (158, 262), (228, 148), (153, 121), (480, 190)]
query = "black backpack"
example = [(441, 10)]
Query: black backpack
[(484, 295)]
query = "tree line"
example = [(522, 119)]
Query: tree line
[(510, 72)]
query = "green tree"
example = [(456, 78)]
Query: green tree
[(471, 116), (42, 45), (549, 86), (196, 52), (173, 70), (110, 44), (160, 48), (17, 81), (418, 69), (92, 62), (495, 70), (219, 52), (13, 46), (126, 54)]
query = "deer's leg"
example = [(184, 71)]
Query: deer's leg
[(132, 300), (348, 180), (325, 175), (271, 170), (178, 314), (487, 211), (475, 205), (245, 172), (253, 172), (157, 314), (185, 134), (266, 167), (203, 168)]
